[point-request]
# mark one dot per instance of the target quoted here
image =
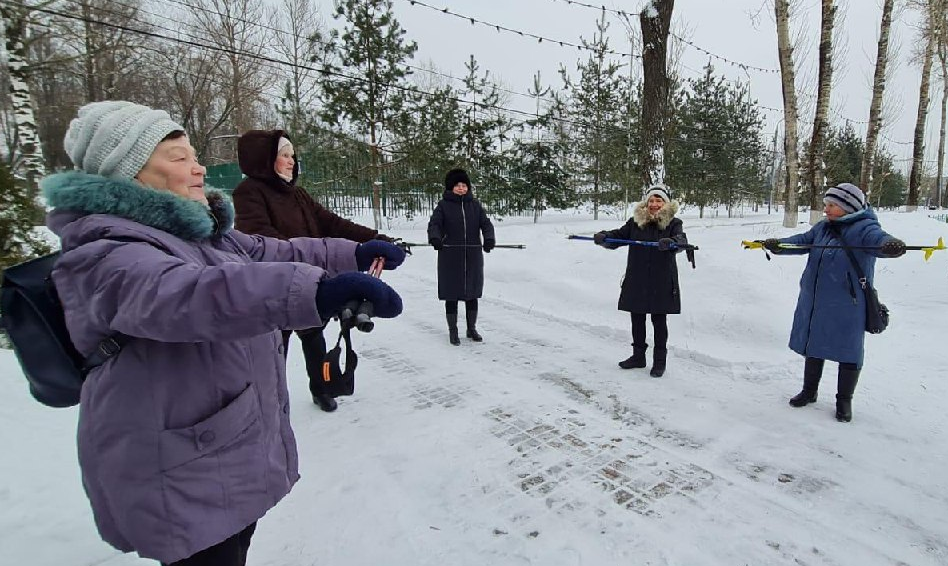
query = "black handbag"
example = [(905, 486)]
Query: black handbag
[(877, 314)]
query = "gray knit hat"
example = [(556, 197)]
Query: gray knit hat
[(115, 138), (659, 190), (847, 196)]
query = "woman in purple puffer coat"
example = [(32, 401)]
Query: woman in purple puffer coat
[(184, 435)]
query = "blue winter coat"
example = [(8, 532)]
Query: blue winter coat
[(184, 436), (830, 318)]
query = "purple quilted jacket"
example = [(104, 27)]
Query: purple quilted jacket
[(184, 436)]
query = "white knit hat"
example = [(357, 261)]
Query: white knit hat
[(847, 196), (115, 138), (660, 191)]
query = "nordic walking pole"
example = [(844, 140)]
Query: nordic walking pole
[(689, 249), (675, 246), (501, 246), (759, 244)]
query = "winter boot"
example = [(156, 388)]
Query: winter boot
[(658, 362), (325, 402), (453, 328), (846, 385), (471, 316), (637, 359), (812, 372)]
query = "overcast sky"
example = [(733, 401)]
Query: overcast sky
[(739, 31)]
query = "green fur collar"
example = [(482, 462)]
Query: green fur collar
[(663, 218), (184, 218)]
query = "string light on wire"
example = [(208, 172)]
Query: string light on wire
[(500, 28)]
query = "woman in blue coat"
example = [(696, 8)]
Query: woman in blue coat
[(830, 319)]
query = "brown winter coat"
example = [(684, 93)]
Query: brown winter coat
[(267, 205)]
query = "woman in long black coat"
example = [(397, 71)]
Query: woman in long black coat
[(650, 285), (454, 230)]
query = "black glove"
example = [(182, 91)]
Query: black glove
[(385, 238), (892, 248), (489, 244), (436, 243), (665, 244), (366, 252), (772, 245), (333, 293), (600, 239)]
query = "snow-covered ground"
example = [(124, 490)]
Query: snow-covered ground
[(533, 447)]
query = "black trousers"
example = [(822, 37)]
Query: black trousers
[(451, 307), (659, 325), (314, 351), (231, 552)]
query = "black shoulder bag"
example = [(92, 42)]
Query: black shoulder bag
[(877, 314)]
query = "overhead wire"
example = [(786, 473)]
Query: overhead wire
[(276, 63)]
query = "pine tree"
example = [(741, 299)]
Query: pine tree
[(483, 130), (426, 140), (600, 128), (719, 156), (372, 52), (18, 241)]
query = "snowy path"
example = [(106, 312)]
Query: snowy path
[(562, 458), (534, 448)]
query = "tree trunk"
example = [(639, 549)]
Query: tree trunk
[(815, 174), (875, 107), (918, 148), (30, 164), (943, 59), (655, 20), (785, 53)]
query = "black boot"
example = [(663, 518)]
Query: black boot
[(637, 359), (471, 316), (812, 372), (846, 385), (453, 328), (658, 362), (325, 402)]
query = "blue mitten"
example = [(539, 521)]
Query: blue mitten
[(333, 293), (368, 251)]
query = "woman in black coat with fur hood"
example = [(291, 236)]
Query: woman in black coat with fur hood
[(454, 230), (650, 285)]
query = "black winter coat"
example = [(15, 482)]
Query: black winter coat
[(458, 223), (650, 284)]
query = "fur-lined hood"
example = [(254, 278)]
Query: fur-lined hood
[(663, 218), (78, 192)]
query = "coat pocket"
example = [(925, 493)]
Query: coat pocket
[(240, 418), (215, 470)]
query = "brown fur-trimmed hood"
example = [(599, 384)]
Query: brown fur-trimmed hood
[(663, 218)]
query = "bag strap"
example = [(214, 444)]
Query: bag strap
[(331, 363), (106, 349), (863, 282)]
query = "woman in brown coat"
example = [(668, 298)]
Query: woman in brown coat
[(268, 202)]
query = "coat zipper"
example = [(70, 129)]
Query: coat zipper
[(464, 249)]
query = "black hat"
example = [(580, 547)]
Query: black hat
[(456, 176)]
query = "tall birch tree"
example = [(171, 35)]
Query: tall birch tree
[(787, 79), (930, 32), (813, 180), (875, 106)]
